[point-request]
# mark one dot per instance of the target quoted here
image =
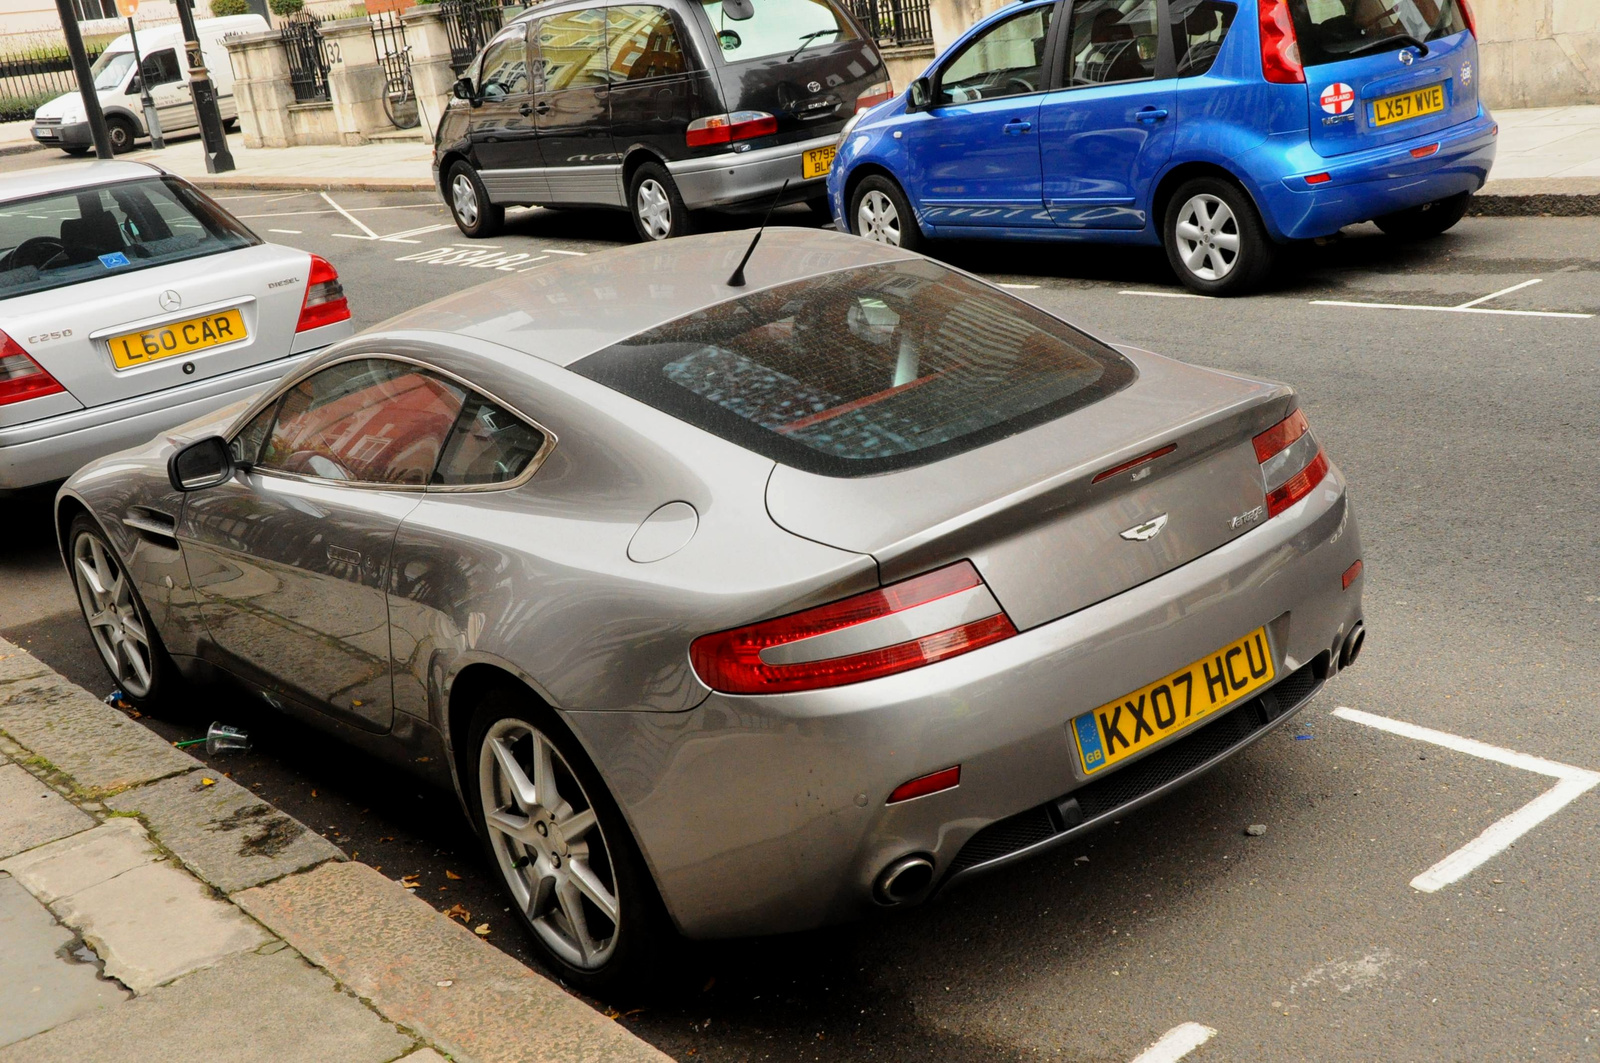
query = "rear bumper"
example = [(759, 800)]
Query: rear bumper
[(767, 814), (1368, 184), (738, 178)]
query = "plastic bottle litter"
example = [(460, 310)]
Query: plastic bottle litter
[(223, 738)]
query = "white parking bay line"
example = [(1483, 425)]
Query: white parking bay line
[(1471, 306), (557, 251), (351, 218), (1176, 1043), (1503, 833), (1020, 287), (1167, 295), (289, 232)]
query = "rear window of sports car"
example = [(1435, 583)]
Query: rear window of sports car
[(864, 371)]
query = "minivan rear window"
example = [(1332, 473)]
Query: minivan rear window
[(776, 27), (866, 370), (1331, 31)]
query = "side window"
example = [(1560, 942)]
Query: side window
[(505, 68), (1110, 41), (161, 68), (642, 43), (1198, 27), (1006, 60), (488, 446), (572, 49), (365, 421)]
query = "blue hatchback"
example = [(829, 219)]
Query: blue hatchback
[(1221, 129)]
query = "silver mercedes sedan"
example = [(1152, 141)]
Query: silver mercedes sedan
[(734, 609)]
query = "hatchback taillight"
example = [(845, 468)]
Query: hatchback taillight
[(905, 625), (1292, 462), (1280, 48), (874, 95), (726, 128), (1467, 17), (325, 302), (21, 377)]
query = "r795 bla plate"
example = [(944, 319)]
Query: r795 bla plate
[(817, 162), (1121, 728)]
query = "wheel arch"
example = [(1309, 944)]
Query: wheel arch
[(1175, 178), (636, 157), (446, 161), (872, 169)]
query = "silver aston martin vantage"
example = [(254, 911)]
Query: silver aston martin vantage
[(735, 609)]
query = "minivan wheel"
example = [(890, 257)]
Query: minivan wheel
[(657, 208), (1430, 219), (118, 622), (121, 133), (565, 855), (1215, 240), (880, 213), (469, 203)]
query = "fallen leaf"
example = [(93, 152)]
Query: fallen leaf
[(208, 782), (386, 839), (409, 881), (482, 930), (451, 875), (313, 793), (458, 911), (445, 983)]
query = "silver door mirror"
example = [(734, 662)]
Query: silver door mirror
[(202, 464)]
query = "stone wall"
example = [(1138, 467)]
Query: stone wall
[(1539, 53)]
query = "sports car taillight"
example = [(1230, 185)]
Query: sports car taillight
[(20, 376), (1292, 462), (325, 302), (905, 625), (1280, 48), (726, 128), (874, 95)]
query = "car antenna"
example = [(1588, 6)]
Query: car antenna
[(737, 280)]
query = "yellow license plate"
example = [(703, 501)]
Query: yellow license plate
[(1121, 728), (818, 161), (180, 337), (1408, 105)]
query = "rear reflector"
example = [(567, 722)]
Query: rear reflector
[(948, 779), (1424, 152), (726, 128), (1136, 462), (1352, 574), (1292, 462), (324, 302), (939, 614), (22, 378), (1318, 178), (1280, 48), (874, 95)]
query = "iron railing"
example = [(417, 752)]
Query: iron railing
[(32, 76), (394, 56), (895, 22), (468, 25), (307, 52)]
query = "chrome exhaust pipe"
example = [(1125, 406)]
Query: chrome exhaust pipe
[(1352, 645), (903, 880)]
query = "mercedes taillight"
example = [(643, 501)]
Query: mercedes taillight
[(324, 302), (21, 377)]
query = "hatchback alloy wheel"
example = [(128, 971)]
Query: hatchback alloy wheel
[(465, 198), (1208, 237), (878, 220), (549, 845), (655, 209), (115, 621)]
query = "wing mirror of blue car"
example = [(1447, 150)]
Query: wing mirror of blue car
[(920, 95), (204, 463)]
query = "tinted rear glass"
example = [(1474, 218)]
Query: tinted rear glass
[(776, 27), (89, 233), (866, 370), (1333, 30)]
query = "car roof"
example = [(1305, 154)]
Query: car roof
[(565, 310), (64, 177)]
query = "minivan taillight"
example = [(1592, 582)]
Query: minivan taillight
[(905, 625), (1280, 48), (21, 377), (1292, 462), (1467, 17), (726, 128), (874, 95), (325, 302)]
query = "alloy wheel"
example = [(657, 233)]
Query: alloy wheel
[(107, 596), (465, 199), (549, 844), (1208, 237), (655, 209), (877, 219)]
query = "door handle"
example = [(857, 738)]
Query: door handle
[(542, 107), (1151, 114), (524, 110), (1016, 127)]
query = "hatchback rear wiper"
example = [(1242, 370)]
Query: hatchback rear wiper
[(805, 42), (1386, 44)]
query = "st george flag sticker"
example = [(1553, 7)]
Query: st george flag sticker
[(1338, 98)]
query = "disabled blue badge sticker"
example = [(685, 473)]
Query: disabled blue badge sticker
[(113, 260)]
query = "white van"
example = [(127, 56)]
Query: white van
[(61, 122)]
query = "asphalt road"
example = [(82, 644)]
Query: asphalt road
[(1471, 442)]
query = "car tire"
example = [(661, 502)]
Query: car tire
[(469, 203), (880, 212), (1215, 240), (119, 624), (121, 133), (821, 210), (555, 877), (1428, 220), (77, 153), (656, 206)]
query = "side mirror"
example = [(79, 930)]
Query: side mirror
[(463, 90), (135, 86), (202, 464), (738, 10), (920, 96)]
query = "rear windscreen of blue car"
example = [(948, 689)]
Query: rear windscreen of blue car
[(866, 370), (88, 233), (1331, 31)]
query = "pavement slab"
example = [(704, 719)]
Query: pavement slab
[(431, 974), (17, 663), (32, 814), (62, 868), (250, 1008), (42, 982), (223, 832)]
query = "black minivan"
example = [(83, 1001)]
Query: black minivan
[(659, 108)]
